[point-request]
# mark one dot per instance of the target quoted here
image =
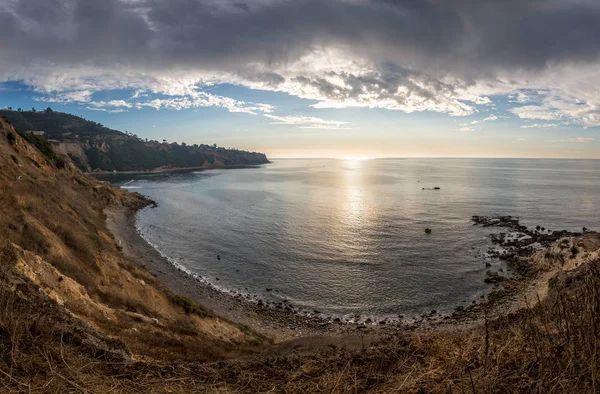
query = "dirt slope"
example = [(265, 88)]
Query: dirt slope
[(56, 251)]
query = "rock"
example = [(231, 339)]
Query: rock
[(427, 231)]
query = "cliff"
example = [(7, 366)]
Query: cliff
[(66, 290), (93, 147)]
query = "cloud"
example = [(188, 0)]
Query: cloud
[(308, 122), (540, 126), (190, 99), (112, 111), (475, 124), (579, 140), (450, 57)]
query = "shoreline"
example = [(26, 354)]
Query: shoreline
[(285, 325), (269, 321), (164, 170)]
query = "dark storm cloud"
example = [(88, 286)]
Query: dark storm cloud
[(416, 54), (449, 35)]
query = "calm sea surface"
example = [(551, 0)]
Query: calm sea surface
[(347, 238)]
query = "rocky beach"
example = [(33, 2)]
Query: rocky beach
[(533, 256)]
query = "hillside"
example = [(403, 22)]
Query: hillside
[(93, 147), (67, 291), (77, 315)]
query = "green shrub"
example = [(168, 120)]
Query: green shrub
[(42, 145), (189, 306), (35, 163), (11, 138)]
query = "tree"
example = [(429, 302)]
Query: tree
[(33, 109), (48, 110)]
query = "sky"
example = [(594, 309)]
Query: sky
[(317, 78)]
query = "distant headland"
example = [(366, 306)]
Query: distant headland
[(96, 148)]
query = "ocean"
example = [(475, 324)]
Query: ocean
[(342, 238)]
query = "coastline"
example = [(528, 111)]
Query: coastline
[(279, 324), (164, 170), (282, 325)]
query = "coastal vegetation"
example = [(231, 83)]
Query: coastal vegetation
[(77, 315), (94, 147)]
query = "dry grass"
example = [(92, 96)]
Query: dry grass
[(548, 347)]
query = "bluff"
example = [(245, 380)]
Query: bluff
[(94, 147), (69, 298)]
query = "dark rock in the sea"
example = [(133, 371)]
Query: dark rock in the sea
[(337, 320), (269, 289), (368, 320), (217, 278), (427, 231), (436, 188), (433, 312), (584, 229), (382, 322), (218, 257)]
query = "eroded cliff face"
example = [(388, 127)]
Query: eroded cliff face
[(57, 257)]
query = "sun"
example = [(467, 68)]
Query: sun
[(357, 158)]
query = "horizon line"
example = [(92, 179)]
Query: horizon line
[(431, 157)]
